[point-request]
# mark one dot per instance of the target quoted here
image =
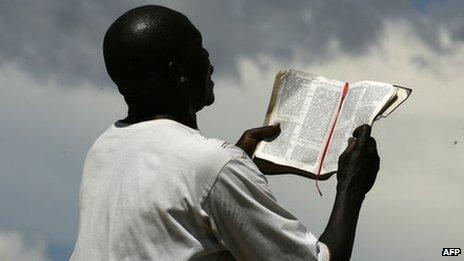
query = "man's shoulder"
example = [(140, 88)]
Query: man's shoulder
[(212, 156), (221, 147), (171, 141), (211, 148)]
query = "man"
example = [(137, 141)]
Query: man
[(153, 188)]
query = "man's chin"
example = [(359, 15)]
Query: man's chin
[(210, 100)]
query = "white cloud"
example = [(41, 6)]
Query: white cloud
[(14, 248), (62, 39)]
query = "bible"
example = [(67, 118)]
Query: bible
[(317, 116)]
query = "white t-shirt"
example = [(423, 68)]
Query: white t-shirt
[(159, 190)]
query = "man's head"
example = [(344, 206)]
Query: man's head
[(155, 54)]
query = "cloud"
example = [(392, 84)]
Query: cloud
[(62, 39), (14, 248), (48, 125), (45, 134)]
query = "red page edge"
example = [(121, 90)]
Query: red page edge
[(326, 146)]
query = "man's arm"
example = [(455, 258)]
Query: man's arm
[(248, 221), (357, 170)]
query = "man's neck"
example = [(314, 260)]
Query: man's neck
[(187, 120)]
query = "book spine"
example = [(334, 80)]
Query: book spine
[(332, 128)]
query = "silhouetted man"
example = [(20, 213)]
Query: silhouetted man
[(153, 188)]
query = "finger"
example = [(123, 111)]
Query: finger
[(264, 132), (372, 152), (371, 145), (374, 160), (361, 129), (351, 144), (362, 133)]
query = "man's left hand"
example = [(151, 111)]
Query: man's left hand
[(252, 137)]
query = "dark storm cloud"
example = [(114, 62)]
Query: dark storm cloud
[(62, 39)]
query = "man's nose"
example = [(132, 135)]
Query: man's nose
[(211, 69)]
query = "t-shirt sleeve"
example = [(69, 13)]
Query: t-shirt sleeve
[(249, 222)]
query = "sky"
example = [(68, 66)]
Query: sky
[(56, 99)]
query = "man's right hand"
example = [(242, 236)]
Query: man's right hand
[(359, 163), (357, 169)]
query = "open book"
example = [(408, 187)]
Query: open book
[(317, 116)]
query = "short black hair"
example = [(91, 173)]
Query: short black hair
[(139, 45)]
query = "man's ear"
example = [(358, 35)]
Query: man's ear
[(177, 73)]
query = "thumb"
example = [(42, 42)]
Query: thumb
[(362, 133), (264, 132)]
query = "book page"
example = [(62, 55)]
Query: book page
[(402, 94), (305, 108), (291, 92), (361, 106)]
